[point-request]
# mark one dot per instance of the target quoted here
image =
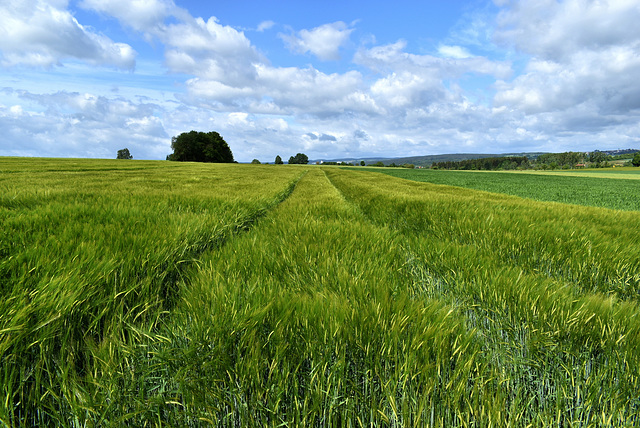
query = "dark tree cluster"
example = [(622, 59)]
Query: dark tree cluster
[(124, 154), (487, 164), (200, 147), (561, 160), (300, 158), (599, 159)]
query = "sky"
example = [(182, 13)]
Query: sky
[(333, 79)]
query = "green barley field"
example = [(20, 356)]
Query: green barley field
[(614, 188), (142, 293)]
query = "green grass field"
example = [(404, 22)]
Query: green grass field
[(176, 294), (609, 188)]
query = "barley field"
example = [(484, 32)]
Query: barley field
[(178, 294), (608, 187)]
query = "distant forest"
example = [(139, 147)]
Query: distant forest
[(505, 161), (510, 162), (565, 160)]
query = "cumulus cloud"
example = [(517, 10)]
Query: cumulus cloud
[(265, 25), (584, 59), (195, 46), (211, 51), (141, 15), (81, 125), (558, 30), (324, 41), (320, 136), (454, 52), (40, 33), (414, 81), (575, 86), (392, 57), (287, 90)]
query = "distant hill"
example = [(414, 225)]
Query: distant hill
[(429, 159), (453, 157)]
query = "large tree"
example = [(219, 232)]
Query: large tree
[(300, 158), (200, 147), (124, 154), (636, 159)]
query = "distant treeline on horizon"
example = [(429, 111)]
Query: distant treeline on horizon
[(565, 160)]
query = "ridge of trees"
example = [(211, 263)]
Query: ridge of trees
[(510, 162), (565, 160)]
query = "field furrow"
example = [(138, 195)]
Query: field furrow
[(312, 325), (540, 286), (89, 257)]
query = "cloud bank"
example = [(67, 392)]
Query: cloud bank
[(516, 76)]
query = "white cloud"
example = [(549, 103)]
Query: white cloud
[(324, 41), (194, 46), (265, 25), (415, 81), (287, 90), (585, 56), (42, 34), (577, 86), (393, 58), (557, 30), (82, 125), (406, 89), (141, 15), (454, 52), (211, 51)]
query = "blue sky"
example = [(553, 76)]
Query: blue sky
[(332, 79)]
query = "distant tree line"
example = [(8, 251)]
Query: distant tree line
[(565, 160), (381, 164), (488, 164)]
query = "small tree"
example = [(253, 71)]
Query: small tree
[(362, 163), (636, 159), (279, 160), (255, 162), (124, 154)]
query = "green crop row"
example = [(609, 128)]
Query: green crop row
[(550, 290), (87, 254), (619, 194)]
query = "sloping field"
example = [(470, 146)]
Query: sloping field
[(615, 189), (623, 173), (240, 295)]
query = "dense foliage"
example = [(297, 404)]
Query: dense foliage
[(299, 158), (247, 295), (200, 147), (510, 162), (561, 160), (278, 160), (124, 154), (565, 160)]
